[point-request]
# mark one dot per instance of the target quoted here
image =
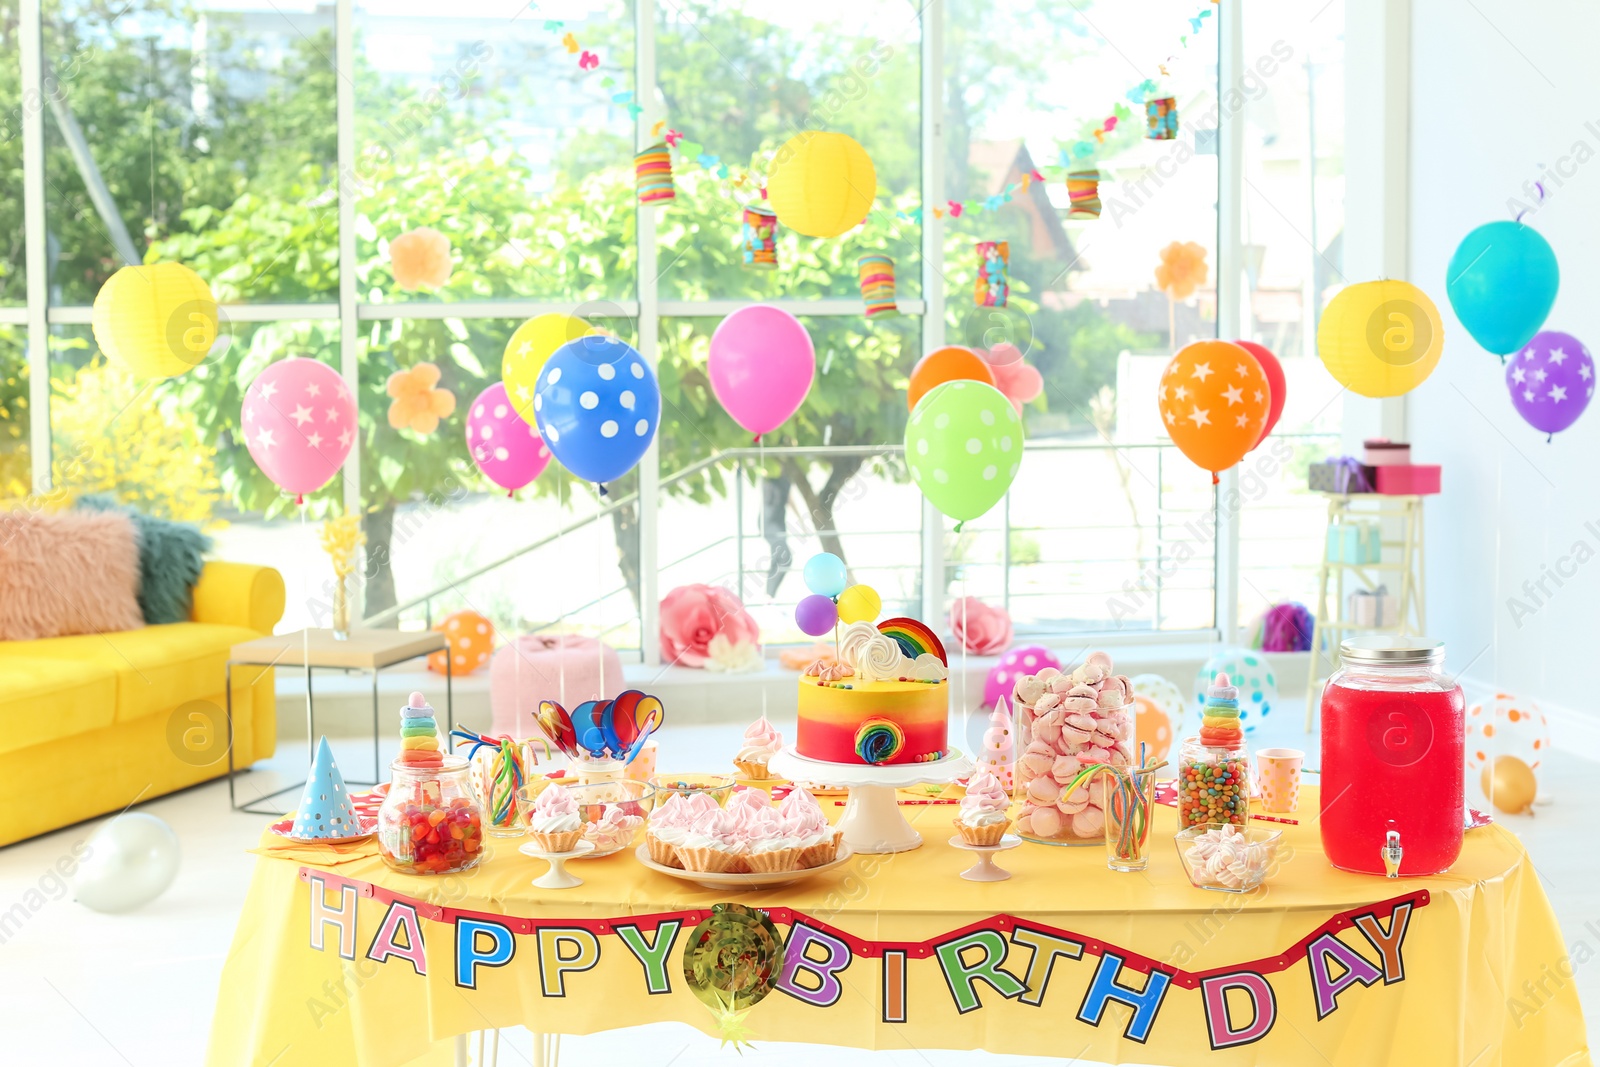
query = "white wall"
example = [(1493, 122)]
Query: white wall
[(1499, 87)]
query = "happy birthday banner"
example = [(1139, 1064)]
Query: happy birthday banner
[(1239, 1001)]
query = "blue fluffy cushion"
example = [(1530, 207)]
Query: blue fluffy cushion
[(171, 556)]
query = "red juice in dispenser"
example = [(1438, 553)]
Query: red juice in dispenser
[(1392, 759)]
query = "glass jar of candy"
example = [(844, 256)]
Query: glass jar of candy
[(431, 821), (1068, 722), (1393, 748), (1213, 784)]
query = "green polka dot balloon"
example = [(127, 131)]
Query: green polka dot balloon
[(1249, 671), (964, 445)]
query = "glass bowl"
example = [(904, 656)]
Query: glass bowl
[(719, 787), (1257, 853), (612, 813)]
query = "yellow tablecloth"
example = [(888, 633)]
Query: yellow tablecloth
[(1480, 976)]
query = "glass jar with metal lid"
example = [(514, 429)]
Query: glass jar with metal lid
[(1393, 728)]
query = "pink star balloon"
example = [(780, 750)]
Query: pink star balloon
[(299, 421), (507, 450)]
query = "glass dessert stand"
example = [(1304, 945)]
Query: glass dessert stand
[(872, 822)]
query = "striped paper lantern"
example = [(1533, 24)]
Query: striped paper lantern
[(877, 285), (1083, 190), (652, 171), (760, 239)]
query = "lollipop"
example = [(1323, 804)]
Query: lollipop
[(1219, 724), (419, 734)]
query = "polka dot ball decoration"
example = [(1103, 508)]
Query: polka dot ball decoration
[(1028, 659), (469, 641), (1508, 725), (1258, 686), (1152, 727), (1166, 695)]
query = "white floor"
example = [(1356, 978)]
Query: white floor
[(83, 988)]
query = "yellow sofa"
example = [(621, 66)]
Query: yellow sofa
[(93, 723)]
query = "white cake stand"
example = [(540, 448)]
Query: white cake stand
[(872, 822)]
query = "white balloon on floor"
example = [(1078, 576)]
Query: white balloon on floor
[(132, 860)]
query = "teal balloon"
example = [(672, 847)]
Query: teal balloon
[(825, 575), (964, 445), (1502, 282)]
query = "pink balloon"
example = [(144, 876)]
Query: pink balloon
[(507, 450), (761, 366), (299, 421)]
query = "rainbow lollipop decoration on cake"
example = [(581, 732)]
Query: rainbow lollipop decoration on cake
[(879, 740), (915, 641)]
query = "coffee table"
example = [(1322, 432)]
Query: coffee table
[(367, 651)]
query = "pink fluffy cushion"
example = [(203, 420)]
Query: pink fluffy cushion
[(76, 572)]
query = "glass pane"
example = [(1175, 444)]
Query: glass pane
[(1293, 127), (206, 137), (13, 285), (432, 519), (1026, 87), (739, 79), (172, 447), (16, 456), (489, 130), (829, 479)]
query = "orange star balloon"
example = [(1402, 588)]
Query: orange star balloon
[(1214, 399)]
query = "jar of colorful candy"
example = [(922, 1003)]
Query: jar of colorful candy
[(431, 821), (1213, 784)]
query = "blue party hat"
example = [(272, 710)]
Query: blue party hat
[(325, 813)]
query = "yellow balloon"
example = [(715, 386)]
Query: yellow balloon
[(859, 603), (534, 342), (1380, 338), (156, 319), (821, 184), (1510, 784)]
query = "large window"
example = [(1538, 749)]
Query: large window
[(209, 132)]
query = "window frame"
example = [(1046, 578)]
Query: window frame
[(647, 308)]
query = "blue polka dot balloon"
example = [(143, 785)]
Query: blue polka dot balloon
[(1248, 670), (597, 405)]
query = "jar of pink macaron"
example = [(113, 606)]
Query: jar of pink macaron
[(1066, 722)]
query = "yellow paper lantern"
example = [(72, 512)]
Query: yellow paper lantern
[(156, 319), (1380, 338), (821, 184), (534, 342)]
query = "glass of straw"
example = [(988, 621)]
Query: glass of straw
[(1130, 803)]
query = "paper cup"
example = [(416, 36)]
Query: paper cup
[(1279, 778)]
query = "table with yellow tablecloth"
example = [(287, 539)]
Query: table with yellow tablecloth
[(340, 961)]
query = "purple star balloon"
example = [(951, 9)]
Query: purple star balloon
[(1551, 380)]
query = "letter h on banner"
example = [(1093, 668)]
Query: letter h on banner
[(1105, 988), (341, 918)]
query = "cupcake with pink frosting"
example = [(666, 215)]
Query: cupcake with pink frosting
[(983, 818), (554, 824), (761, 742), (613, 831), (803, 820), (667, 828), (714, 844)]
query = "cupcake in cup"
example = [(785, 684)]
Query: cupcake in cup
[(553, 823), (761, 742), (983, 818)]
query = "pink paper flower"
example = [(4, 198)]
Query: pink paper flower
[(692, 615), (981, 629), (1017, 380)]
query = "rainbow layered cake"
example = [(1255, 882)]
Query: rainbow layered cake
[(885, 701)]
